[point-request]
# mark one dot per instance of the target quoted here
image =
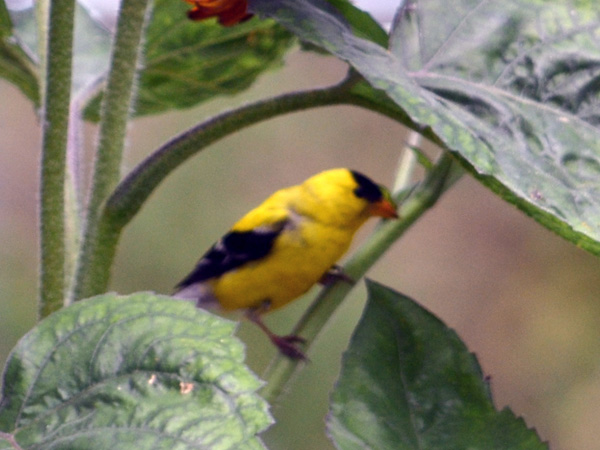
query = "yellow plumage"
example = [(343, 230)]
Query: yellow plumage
[(279, 250)]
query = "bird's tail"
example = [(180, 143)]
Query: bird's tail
[(199, 293)]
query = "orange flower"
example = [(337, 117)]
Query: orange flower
[(229, 12)]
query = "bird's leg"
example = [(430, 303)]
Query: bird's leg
[(285, 344), (335, 274)]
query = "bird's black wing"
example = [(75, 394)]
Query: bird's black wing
[(235, 249)]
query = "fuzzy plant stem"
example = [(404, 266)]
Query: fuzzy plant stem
[(42, 15), (55, 112), (116, 107), (425, 195)]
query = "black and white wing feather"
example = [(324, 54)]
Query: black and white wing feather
[(233, 250)]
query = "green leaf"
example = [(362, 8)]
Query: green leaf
[(422, 158), (137, 371), (189, 62), (362, 23), (16, 65), (408, 382), (509, 86)]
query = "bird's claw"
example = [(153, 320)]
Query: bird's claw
[(335, 274), (287, 346)]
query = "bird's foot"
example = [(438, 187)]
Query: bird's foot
[(287, 346), (335, 274)]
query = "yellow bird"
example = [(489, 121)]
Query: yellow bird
[(280, 249)]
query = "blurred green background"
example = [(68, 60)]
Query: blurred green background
[(525, 301)]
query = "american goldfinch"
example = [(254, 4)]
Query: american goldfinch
[(279, 250)]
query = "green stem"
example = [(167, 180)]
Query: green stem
[(73, 193), (54, 143), (134, 190), (408, 161), (42, 14), (116, 106), (313, 321)]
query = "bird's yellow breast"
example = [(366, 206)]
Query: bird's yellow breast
[(300, 258)]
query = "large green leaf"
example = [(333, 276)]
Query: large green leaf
[(408, 382), (188, 62), (16, 65), (512, 87), (140, 371)]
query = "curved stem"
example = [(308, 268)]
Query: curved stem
[(116, 106), (55, 134), (134, 190), (313, 321)]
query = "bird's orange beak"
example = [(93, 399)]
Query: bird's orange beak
[(385, 208)]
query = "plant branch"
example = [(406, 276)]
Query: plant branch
[(134, 190), (330, 298), (54, 143), (116, 106), (131, 194)]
